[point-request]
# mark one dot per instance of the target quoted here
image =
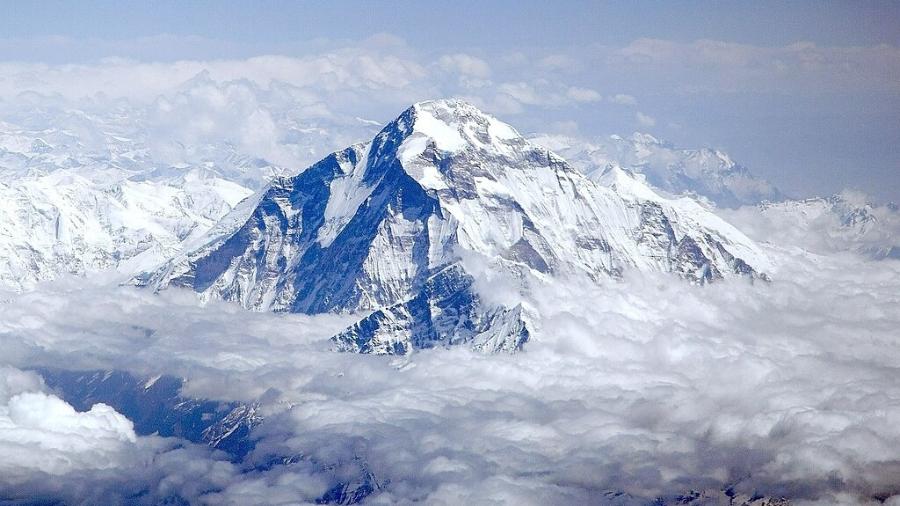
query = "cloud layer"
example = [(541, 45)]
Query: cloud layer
[(648, 386)]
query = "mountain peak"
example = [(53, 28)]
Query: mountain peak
[(454, 124), (454, 105), (394, 226), (645, 138), (434, 136)]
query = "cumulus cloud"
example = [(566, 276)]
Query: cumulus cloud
[(644, 119), (523, 92), (559, 62), (845, 223), (623, 99), (583, 94), (200, 121), (41, 432), (465, 64), (49, 452), (300, 107), (543, 93), (287, 110), (43, 436), (206, 112), (351, 68)]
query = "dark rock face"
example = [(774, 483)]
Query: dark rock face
[(155, 406), (445, 311)]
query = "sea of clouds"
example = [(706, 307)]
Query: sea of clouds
[(648, 386)]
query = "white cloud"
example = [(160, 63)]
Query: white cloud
[(557, 62), (583, 94), (351, 68), (206, 113), (40, 432), (622, 99), (465, 64), (546, 93), (650, 386), (570, 128), (644, 120), (290, 111), (521, 91), (847, 222), (51, 452), (14, 382), (384, 67)]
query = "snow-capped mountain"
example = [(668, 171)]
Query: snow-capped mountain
[(846, 222), (704, 172), (69, 205), (121, 187), (63, 223), (390, 227)]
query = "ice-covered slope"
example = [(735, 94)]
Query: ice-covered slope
[(705, 172), (382, 227)]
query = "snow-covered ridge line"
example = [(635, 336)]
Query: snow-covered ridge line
[(706, 173)]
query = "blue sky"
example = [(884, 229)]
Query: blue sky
[(273, 25), (806, 94)]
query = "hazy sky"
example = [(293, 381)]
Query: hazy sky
[(806, 94)]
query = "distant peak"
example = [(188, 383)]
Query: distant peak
[(199, 79), (643, 138)]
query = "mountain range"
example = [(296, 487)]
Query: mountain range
[(705, 173), (84, 190), (398, 229)]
